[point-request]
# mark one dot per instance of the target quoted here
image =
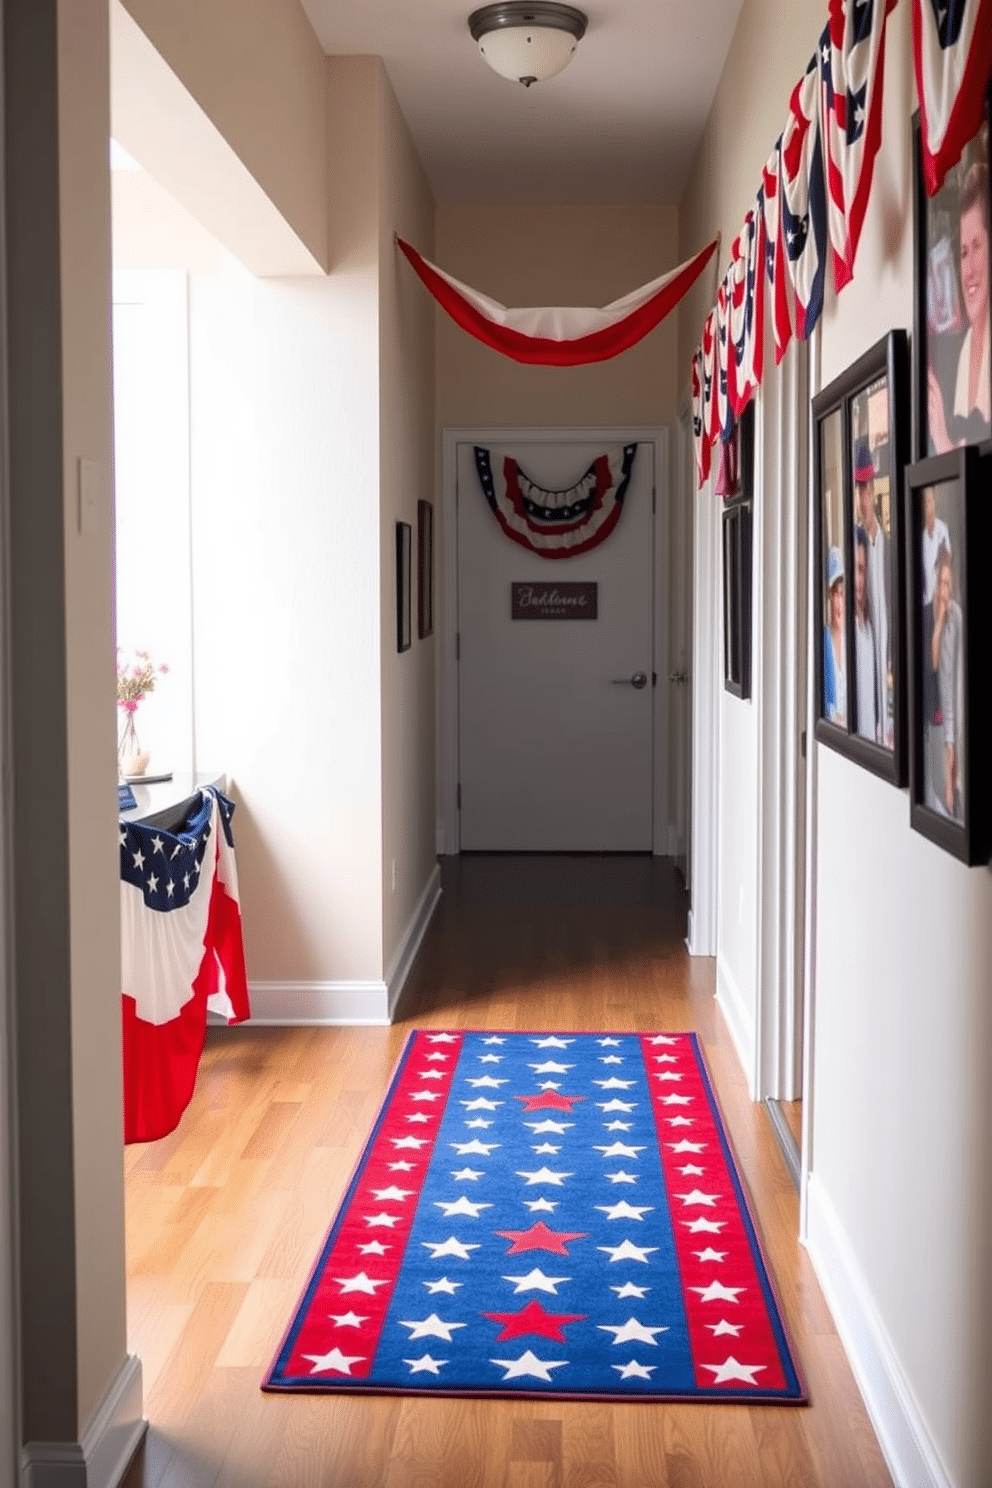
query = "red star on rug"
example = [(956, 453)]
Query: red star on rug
[(534, 1319), (539, 1237), (549, 1100)]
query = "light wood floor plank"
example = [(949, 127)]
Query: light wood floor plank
[(226, 1216)]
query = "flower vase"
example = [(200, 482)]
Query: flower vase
[(131, 759)]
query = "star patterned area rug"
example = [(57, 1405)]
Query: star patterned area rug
[(544, 1214)]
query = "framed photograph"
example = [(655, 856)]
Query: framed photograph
[(425, 569), (948, 520), (952, 356), (735, 485), (860, 450), (403, 536)]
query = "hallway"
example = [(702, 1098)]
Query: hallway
[(225, 1218)]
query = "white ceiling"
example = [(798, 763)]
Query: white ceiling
[(620, 124)]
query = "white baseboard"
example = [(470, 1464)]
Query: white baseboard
[(101, 1459), (406, 951), (738, 1019), (347, 1004), (335, 1003), (909, 1451)]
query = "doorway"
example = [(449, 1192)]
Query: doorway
[(558, 726)]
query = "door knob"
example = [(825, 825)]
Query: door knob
[(638, 680)]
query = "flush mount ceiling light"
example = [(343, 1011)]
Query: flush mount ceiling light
[(525, 42)]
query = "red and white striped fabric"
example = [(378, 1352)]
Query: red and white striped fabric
[(559, 336), (181, 955), (952, 55)]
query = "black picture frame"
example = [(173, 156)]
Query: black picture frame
[(940, 307), (425, 570), (950, 782), (736, 484), (860, 451), (403, 551)]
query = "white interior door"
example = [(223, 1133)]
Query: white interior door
[(555, 726), (680, 677)]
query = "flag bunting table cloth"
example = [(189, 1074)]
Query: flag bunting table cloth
[(182, 955), (544, 1214)]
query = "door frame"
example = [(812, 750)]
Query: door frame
[(448, 821)]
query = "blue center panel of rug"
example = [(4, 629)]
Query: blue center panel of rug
[(584, 1284)]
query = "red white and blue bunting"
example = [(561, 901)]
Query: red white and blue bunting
[(559, 336), (556, 524), (815, 186)]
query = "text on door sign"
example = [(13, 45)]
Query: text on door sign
[(553, 601)]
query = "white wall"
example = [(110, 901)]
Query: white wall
[(899, 1198)]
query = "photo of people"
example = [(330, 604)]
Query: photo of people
[(834, 703), (958, 343), (942, 660), (872, 515)]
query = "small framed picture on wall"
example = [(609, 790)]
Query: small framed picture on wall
[(952, 356), (425, 569), (860, 448), (403, 535), (735, 483), (948, 518)]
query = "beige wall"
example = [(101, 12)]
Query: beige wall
[(84, 182), (899, 1196), (407, 452), (555, 255), (256, 68)]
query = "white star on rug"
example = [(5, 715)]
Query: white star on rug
[(430, 1327), (359, 1283), (704, 1226), (666, 1059), (549, 1067), (383, 1194), (627, 1251), (420, 1116), (696, 1197), (490, 1058), (346, 1320), (544, 1175), (438, 1056), (717, 1292), (611, 1059), (618, 1125), (336, 1360), (614, 1084), (731, 1370), (633, 1370), (661, 1038), (432, 1074), (382, 1220), (560, 1127), (415, 1142), (485, 1080), (401, 1167), (494, 1039), (528, 1364), (630, 1290), (686, 1146), (536, 1281), (617, 1105), (481, 1103), (538, 1206), (451, 1247), (477, 1124), (618, 1149), (548, 1147), (621, 1177), (710, 1255), (467, 1175), (443, 1285), (606, 1043), (691, 1170), (460, 1206), (443, 1038), (724, 1327), (623, 1210), (425, 1364), (373, 1247), (549, 1084), (632, 1332), (482, 1148), (552, 1042), (675, 1100), (425, 1095)]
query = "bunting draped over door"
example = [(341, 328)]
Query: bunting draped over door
[(560, 336)]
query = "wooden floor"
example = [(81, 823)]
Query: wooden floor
[(226, 1216)]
